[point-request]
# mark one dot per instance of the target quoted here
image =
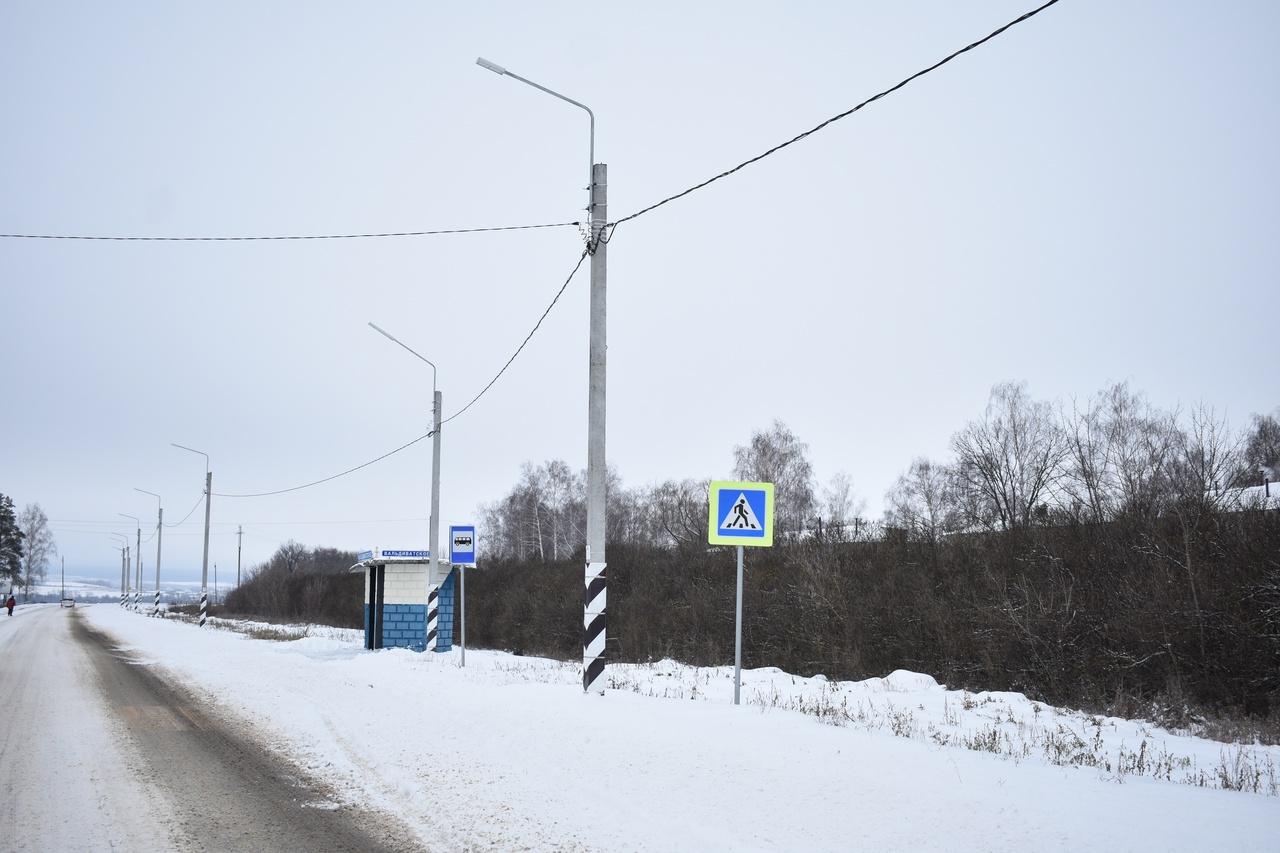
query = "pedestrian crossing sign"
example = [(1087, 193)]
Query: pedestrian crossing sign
[(740, 514)]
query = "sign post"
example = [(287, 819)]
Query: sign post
[(740, 514), (462, 553)]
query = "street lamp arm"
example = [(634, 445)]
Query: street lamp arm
[(193, 450), (499, 70), (419, 355)]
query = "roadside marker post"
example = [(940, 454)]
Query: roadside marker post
[(739, 514), (462, 553)]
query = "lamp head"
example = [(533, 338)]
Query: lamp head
[(492, 66)]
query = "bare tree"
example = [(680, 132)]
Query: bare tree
[(1208, 457), (1261, 451), (1010, 460), (1088, 480), (679, 509), (841, 505), (38, 543), (922, 501), (1140, 446), (777, 456), (1118, 449), (291, 556)]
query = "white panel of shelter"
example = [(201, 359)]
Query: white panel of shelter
[(442, 572), (406, 583)]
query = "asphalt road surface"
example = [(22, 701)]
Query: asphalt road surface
[(98, 753)]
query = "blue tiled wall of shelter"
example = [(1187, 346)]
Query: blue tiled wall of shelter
[(444, 627), (405, 625)]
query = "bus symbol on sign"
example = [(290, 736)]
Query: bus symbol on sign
[(462, 550)]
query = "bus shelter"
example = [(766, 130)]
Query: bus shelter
[(396, 586)]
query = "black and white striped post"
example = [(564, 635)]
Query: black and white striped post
[(433, 616), (594, 621), (155, 608), (204, 606)]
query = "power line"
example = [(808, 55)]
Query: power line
[(837, 117), (483, 390), (326, 479), (109, 522), (536, 325), (348, 521), (188, 515), (291, 236)]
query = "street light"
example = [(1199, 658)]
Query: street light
[(137, 556), (204, 568), (124, 572), (591, 161), (155, 610), (594, 610), (437, 406)]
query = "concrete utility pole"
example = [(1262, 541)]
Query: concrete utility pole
[(155, 608), (595, 613), (437, 410), (239, 544), (204, 566), (433, 589), (159, 536), (124, 540), (594, 610), (138, 555)]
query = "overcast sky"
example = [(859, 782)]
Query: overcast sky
[(1092, 197)]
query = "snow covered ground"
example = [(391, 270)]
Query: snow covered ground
[(97, 589), (508, 753)]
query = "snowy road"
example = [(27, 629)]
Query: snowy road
[(97, 753)]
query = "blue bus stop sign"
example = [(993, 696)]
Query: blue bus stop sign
[(462, 545)]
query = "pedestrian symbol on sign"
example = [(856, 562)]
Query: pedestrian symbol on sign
[(741, 516)]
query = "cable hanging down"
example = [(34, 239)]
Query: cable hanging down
[(835, 118), (248, 238), (188, 515), (326, 479), (483, 390), (535, 328)]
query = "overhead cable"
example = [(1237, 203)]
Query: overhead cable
[(498, 375), (326, 479), (188, 515), (247, 238), (837, 117), (483, 390)]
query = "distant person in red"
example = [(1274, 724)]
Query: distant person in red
[(10, 604)]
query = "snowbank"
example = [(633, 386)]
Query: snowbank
[(509, 753)]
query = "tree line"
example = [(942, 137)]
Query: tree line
[(1103, 553), (302, 584)]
